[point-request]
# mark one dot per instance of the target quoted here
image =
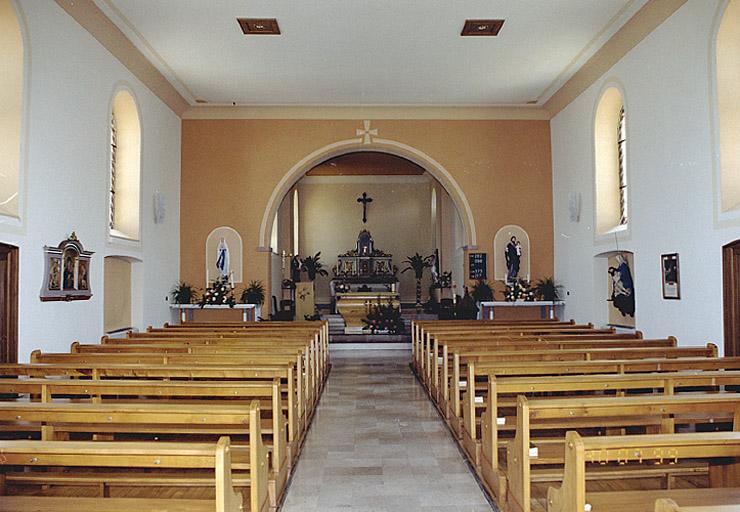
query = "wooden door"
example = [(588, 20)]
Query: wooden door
[(731, 285), (8, 304)]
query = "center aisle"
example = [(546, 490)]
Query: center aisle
[(378, 444)]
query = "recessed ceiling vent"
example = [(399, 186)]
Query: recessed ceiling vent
[(482, 27), (259, 26)]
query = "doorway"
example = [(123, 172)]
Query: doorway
[(731, 292), (8, 304)]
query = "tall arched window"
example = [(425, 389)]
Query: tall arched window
[(610, 145), (728, 98), (125, 167), (11, 105)]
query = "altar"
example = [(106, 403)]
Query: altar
[(362, 277), (355, 306)]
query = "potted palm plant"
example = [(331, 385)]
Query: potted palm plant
[(313, 266), (417, 263), (253, 294), (547, 289), (183, 293), (482, 291)]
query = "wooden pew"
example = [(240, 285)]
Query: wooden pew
[(479, 367), (433, 344), (423, 331), (320, 327), (500, 413), (307, 385), (438, 385), (59, 421), (668, 505), (150, 456), (316, 353), (298, 416), (423, 347), (230, 393), (657, 414), (719, 449)]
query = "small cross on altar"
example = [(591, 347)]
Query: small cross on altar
[(366, 133), (365, 199)]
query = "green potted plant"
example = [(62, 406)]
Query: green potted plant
[(253, 294), (547, 289), (183, 293), (313, 266), (417, 263), (482, 291)]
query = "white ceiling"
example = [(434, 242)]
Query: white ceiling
[(362, 52)]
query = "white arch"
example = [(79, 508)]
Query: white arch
[(378, 145)]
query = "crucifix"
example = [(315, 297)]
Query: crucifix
[(364, 200)]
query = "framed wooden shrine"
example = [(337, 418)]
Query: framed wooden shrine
[(66, 271)]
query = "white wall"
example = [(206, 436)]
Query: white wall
[(70, 83), (671, 171)]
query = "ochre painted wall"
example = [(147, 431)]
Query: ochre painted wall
[(230, 168)]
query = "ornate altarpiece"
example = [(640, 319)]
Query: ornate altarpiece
[(365, 264), (67, 271)]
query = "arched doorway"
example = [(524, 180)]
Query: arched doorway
[(8, 303), (408, 211), (731, 292)]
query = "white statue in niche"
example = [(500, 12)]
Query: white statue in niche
[(222, 258)]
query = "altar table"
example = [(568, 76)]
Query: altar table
[(354, 306), (520, 310)]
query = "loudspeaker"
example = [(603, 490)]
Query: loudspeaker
[(160, 207), (574, 206)]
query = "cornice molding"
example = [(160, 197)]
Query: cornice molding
[(647, 19), (92, 19), (369, 112)]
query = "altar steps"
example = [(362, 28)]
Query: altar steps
[(338, 338)]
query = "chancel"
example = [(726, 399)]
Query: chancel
[(392, 255)]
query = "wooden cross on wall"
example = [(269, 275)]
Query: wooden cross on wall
[(365, 200)]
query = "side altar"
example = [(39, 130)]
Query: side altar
[(363, 276)]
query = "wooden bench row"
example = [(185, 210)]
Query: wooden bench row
[(172, 394), (514, 409)]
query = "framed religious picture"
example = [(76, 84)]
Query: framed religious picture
[(671, 277), (67, 271)]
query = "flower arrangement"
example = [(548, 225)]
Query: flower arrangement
[(519, 290), (384, 317), (445, 280), (221, 292)]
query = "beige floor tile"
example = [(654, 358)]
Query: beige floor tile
[(378, 444)]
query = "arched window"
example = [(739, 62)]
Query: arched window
[(728, 99), (125, 167), (11, 104), (610, 145)]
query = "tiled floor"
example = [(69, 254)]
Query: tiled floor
[(378, 444)]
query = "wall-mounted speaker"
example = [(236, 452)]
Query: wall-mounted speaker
[(574, 206), (160, 207)]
